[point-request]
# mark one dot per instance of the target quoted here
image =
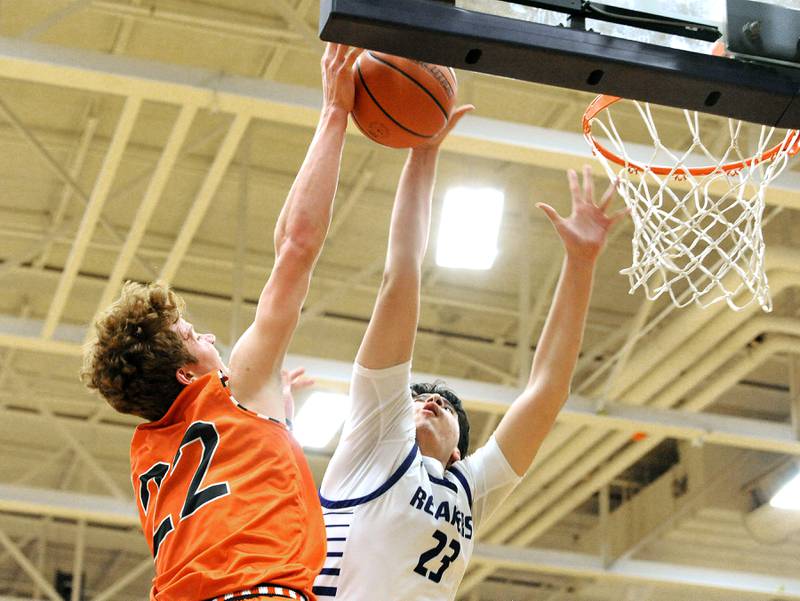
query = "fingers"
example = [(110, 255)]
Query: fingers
[(574, 187), (297, 380), (608, 195), (296, 373), (456, 116), (304, 383), (461, 111), (551, 213), (352, 58), (619, 215), (588, 184), (340, 53)]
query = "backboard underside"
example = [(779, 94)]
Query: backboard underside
[(532, 44)]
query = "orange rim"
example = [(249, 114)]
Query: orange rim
[(790, 144)]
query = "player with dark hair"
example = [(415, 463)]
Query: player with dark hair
[(419, 389), (401, 496), (225, 495)]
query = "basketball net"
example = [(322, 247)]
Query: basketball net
[(697, 230)]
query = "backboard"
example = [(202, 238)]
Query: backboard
[(712, 13), (656, 51)]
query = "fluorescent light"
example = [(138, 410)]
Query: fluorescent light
[(469, 228), (788, 497), (320, 418)]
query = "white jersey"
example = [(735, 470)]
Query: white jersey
[(399, 525)]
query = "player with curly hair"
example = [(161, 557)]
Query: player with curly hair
[(225, 495)]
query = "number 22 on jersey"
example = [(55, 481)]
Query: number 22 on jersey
[(205, 434)]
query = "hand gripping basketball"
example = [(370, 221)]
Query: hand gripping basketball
[(455, 117), (402, 103), (338, 90)]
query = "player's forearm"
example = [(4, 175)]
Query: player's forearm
[(396, 311), (560, 341), (306, 215), (584, 233), (411, 215), (529, 419)]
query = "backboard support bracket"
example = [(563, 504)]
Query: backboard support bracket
[(441, 33), (580, 10), (764, 31)]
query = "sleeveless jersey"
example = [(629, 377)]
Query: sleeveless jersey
[(226, 499), (399, 525)]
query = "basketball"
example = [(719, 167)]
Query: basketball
[(401, 103)]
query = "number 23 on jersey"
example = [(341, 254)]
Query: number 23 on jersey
[(431, 556)]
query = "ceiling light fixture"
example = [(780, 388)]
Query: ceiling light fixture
[(320, 418), (469, 228)]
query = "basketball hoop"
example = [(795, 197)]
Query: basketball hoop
[(697, 229)]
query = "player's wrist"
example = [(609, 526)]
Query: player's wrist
[(422, 153), (581, 261), (334, 113)]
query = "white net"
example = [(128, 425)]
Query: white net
[(697, 230)]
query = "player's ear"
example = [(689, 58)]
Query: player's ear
[(184, 376)]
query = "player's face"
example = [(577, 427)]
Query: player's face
[(201, 346), (437, 427)]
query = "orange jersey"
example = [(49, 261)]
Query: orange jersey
[(226, 499)]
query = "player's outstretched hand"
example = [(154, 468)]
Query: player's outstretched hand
[(585, 231), (338, 89), (455, 117), (291, 382)]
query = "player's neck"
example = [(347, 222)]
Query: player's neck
[(442, 457)]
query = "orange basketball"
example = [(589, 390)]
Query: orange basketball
[(399, 102)]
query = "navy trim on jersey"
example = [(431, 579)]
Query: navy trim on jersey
[(324, 591), (335, 552), (328, 504), (442, 482), (461, 478)]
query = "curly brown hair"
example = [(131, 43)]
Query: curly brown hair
[(134, 357)]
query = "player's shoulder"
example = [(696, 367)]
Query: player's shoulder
[(205, 400), (467, 465), (471, 468), (462, 472)]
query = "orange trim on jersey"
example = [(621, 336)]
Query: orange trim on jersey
[(262, 591)]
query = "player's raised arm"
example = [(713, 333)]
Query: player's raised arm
[(583, 233), (389, 339), (299, 235)]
